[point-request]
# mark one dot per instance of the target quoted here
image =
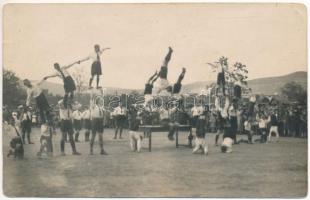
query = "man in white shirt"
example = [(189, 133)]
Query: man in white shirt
[(35, 91), (87, 123), (65, 115), (120, 118), (96, 115), (96, 64), (77, 121), (25, 119), (68, 81), (196, 111)]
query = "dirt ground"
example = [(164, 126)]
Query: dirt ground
[(258, 170)]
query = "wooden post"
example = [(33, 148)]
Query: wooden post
[(177, 137), (150, 141)]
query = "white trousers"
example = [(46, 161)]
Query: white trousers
[(135, 140), (200, 143), (275, 130)]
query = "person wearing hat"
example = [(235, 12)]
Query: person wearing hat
[(25, 119), (96, 64), (66, 127), (35, 91), (163, 73), (69, 85)]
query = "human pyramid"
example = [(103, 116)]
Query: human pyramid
[(226, 106)]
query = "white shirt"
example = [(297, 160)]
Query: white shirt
[(93, 56), (196, 111), (86, 114), (252, 99), (45, 130), (65, 114), (24, 116), (34, 91), (163, 114), (238, 83), (96, 112), (232, 112), (120, 110), (247, 126), (77, 115)]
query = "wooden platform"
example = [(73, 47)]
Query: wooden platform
[(158, 128)]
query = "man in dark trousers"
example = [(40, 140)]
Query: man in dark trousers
[(69, 85), (25, 119), (66, 127), (96, 115)]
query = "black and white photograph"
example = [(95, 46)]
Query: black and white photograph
[(154, 100)]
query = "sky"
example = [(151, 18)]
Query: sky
[(271, 39)]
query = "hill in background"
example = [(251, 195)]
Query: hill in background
[(268, 86)]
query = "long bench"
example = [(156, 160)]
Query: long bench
[(157, 128)]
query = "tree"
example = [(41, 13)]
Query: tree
[(80, 80), (294, 92), (240, 72), (13, 93)]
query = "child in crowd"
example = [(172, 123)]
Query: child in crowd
[(45, 140)]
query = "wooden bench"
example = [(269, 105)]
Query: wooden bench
[(157, 128)]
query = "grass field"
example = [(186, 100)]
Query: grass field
[(258, 170)]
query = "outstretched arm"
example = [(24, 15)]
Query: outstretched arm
[(50, 76), (104, 49), (84, 59), (40, 82), (70, 65), (212, 65)]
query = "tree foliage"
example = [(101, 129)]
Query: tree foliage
[(294, 92), (13, 93)]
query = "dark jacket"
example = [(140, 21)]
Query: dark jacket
[(201, 127)]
